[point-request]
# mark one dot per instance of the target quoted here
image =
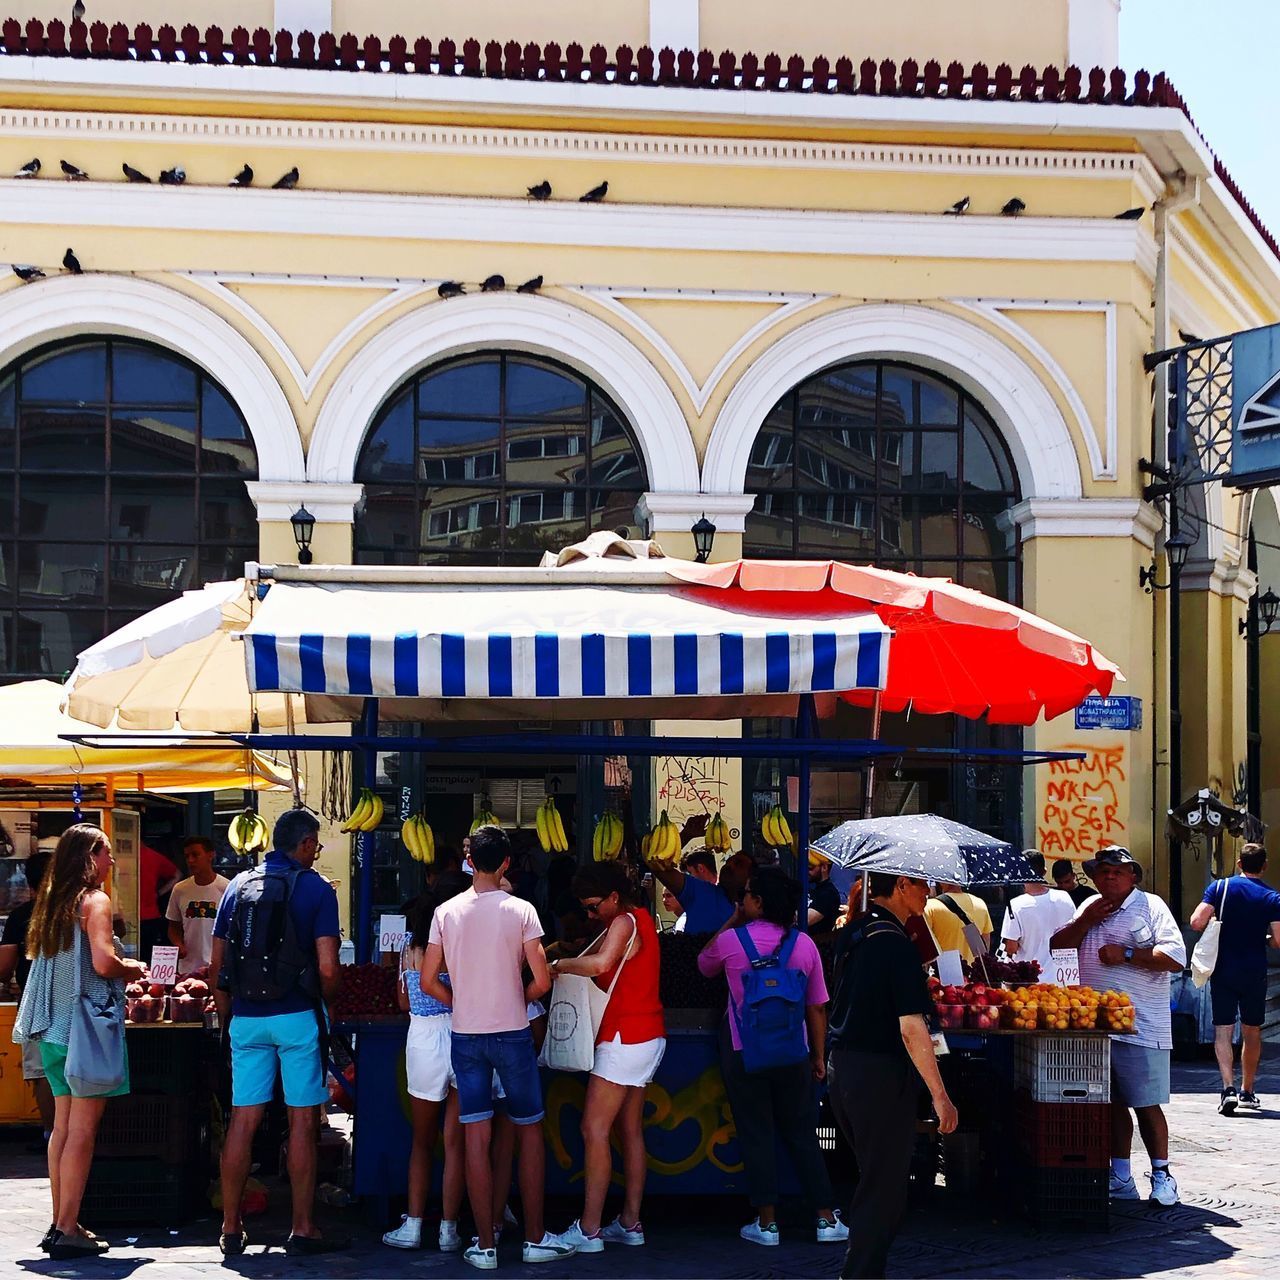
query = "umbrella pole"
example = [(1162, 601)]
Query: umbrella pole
[(867, 810), (364, 841)]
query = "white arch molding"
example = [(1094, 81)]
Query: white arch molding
[(124, 306), (1028, 416), (508, 322)]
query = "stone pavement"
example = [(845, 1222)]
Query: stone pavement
[(1225, 1227)]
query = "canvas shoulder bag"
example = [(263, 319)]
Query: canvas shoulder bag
[(577, 1008), (1204, 958), (95, 1047)]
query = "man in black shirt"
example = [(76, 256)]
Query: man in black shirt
[(880, 1050), (1064, 876), (824, 897)]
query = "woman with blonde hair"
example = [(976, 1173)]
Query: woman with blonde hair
[(73, 954)]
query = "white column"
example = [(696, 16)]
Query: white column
[(673, 24)]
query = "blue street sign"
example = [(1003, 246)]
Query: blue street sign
[(1124, 714), (1255, 407)]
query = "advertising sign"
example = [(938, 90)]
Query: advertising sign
[(1255, 408)]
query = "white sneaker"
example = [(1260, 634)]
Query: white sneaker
[(616, 1233), (1123, 1188), (830, 1232), (549, 1249), (408, 1235), (757, 1234), (450, 1240), (1164, 1187), (579, 1241), (481, 1259)]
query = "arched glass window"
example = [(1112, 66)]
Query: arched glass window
[(886, 464), (492, 459), (122, 484)]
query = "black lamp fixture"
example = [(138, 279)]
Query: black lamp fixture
[(704, 534), (1177, 547), (304, 524), (1268, 610)]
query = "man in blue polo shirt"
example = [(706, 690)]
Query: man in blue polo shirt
[(275, 963), (1249, 910), (708, 899)]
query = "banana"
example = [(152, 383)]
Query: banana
[(597, 841), (361, 812), (409, 834), (259, 836), (237, 833), (782, 825), (374, 818), (484, 819), (544, 831), (560, 840), (606, 841), (428, 839), (619, 835), (646, 841), (766, 829)]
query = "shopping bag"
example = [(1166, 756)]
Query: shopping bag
[(95, 1048), (1205, 956)]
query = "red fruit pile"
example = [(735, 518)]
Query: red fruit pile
[(367, 991), (975, 1005), (189, 1000)]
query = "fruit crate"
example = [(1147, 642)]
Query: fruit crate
[(1053, 1196), (162, 1127), (165, 1059), (1061, 1135), (140, 1192), (1074, 1069)]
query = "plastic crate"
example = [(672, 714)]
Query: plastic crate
[(1061, 1135), (161, 1126), (1051, 1196), (1075, 1069), (164, 1059), (141, 1192)]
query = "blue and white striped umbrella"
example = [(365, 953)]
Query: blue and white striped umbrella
[(549, 642)]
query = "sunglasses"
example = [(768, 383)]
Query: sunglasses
[(592, 908)]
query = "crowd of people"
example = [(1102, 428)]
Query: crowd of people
[(475, 978)]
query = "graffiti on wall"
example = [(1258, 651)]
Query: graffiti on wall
[(1082, 802)]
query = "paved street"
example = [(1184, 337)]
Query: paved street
[(1225, 1227)]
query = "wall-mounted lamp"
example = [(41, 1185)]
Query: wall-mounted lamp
[(304, 524), (704, 534), (1177, 546), (1268, 610)]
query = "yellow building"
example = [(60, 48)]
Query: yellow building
[(805, 307)]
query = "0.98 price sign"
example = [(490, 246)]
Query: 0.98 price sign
[(391, 934), (1064, 967)]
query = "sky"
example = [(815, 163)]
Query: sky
[(1221, 56)]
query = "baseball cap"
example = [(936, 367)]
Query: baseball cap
[(1113, 856)]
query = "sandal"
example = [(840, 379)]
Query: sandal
[(306, 1246), (47, 1239), (65, 1246), (231, 1244)]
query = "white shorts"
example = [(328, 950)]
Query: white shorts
[(428, 1057), (632, 1065)]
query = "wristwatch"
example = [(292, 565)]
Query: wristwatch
[(1128, 955)]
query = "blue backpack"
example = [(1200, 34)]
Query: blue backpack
[(771, 1018)]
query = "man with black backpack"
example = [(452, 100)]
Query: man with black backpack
[(275, 961)]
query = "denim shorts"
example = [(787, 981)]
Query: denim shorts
[(509, 1054)]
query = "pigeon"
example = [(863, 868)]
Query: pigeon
[(530, 286), (134, 175), (28, 274), (960, 207), (77, 11), (288, 182), (1189, 339), (73, 174), (1131, 215), (29, 170), (541, 192), (450, 289), (242, 179), (72, 263), (595, 195), (174, 177), (1014, 207), (494, 284)]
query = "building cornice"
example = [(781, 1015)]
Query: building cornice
[(329, 503), (1220, 577), (678, 512), (1127, 518)]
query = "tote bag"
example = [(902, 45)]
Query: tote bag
[(95, 1047), (577, 1008), (1205, 956)]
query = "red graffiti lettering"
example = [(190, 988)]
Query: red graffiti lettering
[(1080, 812)]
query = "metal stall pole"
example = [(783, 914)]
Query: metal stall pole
[(365, 935), (806, 729)]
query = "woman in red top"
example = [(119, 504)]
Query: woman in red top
[(629, 1047)]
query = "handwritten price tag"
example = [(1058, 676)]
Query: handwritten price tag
[(391, 933), (1064, 967), (164, 965)]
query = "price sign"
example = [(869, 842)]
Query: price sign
[(1064, 967), (950, 972), (164, 965), (391, 933)]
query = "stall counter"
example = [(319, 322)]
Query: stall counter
[(17, 1098)]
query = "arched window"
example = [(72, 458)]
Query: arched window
[(493, 459), (122, 484), (881, 463)]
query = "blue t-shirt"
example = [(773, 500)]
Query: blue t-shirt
[(314, 907), (706, 906), (1251, 906)]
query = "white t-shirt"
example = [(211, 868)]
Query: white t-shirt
[(1032, 920), (195, 908)]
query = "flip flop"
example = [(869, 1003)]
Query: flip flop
[(232, 1243), (308, 1246)]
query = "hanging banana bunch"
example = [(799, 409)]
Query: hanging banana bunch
[(419, 839), (484, 819), (662, 844), (606, 843), (367, 815), (776, 829), (717, 837), (248, 833), (550, 827)]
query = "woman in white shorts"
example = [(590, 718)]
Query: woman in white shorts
[(629, 1047), (429, 1072)]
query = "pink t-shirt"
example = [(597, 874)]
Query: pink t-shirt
[(483, 936), (726, 955)]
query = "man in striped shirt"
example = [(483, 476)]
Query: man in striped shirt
[(1129, 941)]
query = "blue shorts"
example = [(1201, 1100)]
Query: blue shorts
[(289, 1041), (1139, 1074), (1232, 993), (509, 1054)]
